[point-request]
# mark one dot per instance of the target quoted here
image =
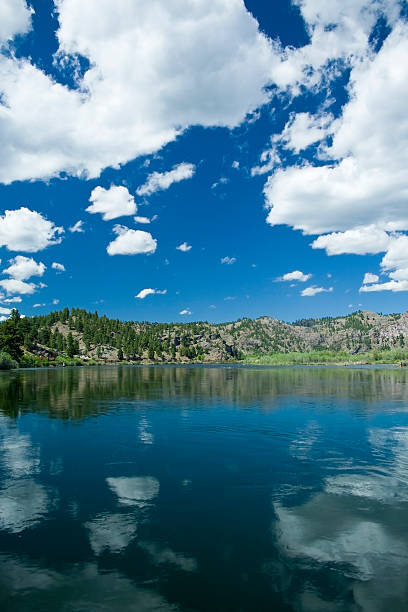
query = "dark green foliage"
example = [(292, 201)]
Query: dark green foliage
[(7, 362), (12, 336), (69, 336)]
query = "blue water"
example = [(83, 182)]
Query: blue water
[(204, 489)]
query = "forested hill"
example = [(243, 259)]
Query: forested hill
[(78, 333)]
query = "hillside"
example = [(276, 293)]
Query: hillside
[(78, 333)]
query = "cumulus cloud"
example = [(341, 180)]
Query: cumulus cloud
[(313, 290), (143, 220), (184, 247), (145, 292), (395, 264), (115, 115), (5, 311), (77, 227), (370, 278), (15, 18), (296, 275), (131, 242), (304, 129), (22, 268), (27, 230), (364, 183), (112, 203), (269, 160), (228, 260), (185, 311), (58, 266), (159, 181), (359, 241), (12, 286), (13, 300)]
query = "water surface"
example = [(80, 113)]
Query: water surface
[(204, 489)]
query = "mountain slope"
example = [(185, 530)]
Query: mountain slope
[(85, 334)]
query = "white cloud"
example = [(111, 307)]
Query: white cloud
[(269, 160), (145, 292), (13, 300), (22, 268), (12, 285), (77, 227), (131, 242), (395, 264), (112, 203), (184, 247), (339, 30), (304, 129), (365, 182), (39, 305), (185, 311), (235, 164), (5, 311), (55, 301), (27, 230), (313, 290), (141, 219), (360, 241), (15, 18), (296, 275), (228, 260), (159, 181), (370, 278), (58, 266), (206, 66)]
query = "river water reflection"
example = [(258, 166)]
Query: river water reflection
[(204, 489)]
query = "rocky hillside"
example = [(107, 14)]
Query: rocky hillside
[(88, 335)]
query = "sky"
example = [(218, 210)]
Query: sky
[(204, 159)]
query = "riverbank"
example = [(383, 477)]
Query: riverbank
[(324, 357)]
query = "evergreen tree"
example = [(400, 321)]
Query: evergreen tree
[(70, 345), (11, 337)]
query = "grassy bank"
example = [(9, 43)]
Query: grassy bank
[(327, 357)]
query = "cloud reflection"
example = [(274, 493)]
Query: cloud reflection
[(29, 586), (358, 523), (23, 504), (111, 532), (134, 491)]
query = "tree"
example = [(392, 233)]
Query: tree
[(120, 354), (70, 345), (11, 337)]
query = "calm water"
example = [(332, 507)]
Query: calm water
[(204, 489)]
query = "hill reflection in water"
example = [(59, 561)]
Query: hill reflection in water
[(79, 392), (204, 489)]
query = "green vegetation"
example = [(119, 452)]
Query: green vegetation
[(7, 362), (78, 337), (11, 336), (322, 357)]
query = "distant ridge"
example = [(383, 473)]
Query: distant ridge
[(78, 333)]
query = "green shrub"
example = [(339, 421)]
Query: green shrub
[(7, 362)]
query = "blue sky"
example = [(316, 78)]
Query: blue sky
[(268, 140)]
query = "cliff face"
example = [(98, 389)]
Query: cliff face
[(355, 333)]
